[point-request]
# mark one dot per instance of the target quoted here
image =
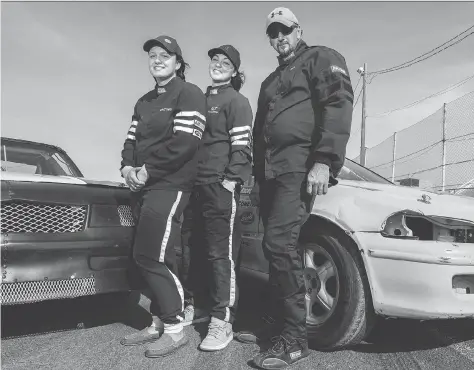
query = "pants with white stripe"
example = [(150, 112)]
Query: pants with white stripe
[(195, 271), (159, 212), (216, 211)]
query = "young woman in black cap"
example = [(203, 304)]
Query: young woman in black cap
[(224, 164), (159, 165)]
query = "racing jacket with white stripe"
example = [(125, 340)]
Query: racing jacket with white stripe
[(225, 152), (167, 126)]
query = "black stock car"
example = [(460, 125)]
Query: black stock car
[(62, 236)]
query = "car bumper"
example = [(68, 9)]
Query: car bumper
[(40, 267), (419, 279)]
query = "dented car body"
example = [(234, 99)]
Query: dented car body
[(417, 246), (416, 250), (62, 236)]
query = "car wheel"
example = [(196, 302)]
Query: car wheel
[(339, 310)]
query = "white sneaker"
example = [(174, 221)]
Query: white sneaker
[(194, 315), (219, 335)]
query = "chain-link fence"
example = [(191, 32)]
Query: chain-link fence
[(436, 153)]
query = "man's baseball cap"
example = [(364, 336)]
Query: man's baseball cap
[(229, 51), (166, 42), (281, 15)]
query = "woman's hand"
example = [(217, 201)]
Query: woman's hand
[(142, 174), (130, 175)]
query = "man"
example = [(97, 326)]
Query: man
[(301, 130)]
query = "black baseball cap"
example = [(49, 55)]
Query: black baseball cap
[(166, 42), (229, 51)]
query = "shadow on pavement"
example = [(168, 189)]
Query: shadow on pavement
[(400, 335), (61, 315), (131, 309)]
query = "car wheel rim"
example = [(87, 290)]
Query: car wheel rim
[(322, 285)]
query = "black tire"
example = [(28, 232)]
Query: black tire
[(353, 316)]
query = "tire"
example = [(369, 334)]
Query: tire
[(349, 319)]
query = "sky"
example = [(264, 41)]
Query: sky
[(71, 72)]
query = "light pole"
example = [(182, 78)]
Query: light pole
[(363, 72)]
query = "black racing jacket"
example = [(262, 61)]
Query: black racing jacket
[(167, 126), (225, 151), (304, 114)]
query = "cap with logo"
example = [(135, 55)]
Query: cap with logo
[(281, 15), (166, 42), (229, 51)]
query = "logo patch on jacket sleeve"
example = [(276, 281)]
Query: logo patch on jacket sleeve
[(197, 133), (199, 125), (294, 355), (338, 69)]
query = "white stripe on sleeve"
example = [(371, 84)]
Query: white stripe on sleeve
[(191, 114), (238, 137), (240, 129), (240, 142), (189, 130), (184, 121)]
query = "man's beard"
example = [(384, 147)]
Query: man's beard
[(287, 52)]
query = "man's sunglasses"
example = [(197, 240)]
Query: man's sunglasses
[(275, 29)]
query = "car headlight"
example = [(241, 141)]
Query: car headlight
[(105, 215), (414, 225)]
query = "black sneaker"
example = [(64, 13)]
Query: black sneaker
[(282, 354), (269, 329)]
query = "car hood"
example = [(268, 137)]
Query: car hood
[(22, 177), (363, 206)]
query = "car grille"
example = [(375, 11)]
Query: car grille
[(22, 217), (125, 214), (34, 291)]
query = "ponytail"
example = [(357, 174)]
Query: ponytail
[(184, 66), (238, 81)]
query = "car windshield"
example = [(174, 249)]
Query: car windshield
[(23, 157), (355, 172)]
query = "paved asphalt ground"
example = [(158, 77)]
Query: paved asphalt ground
[(84, 334)]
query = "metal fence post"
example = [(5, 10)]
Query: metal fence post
[(443, 167), (394, 155), (366, 156)]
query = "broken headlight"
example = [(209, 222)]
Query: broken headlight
[(413, 225)]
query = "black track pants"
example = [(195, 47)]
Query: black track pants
[(215, 213), (284, 208), (195, 272), (159, 212)]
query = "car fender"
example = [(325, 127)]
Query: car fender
[(344, 228)]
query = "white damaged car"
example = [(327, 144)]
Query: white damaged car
[(372, 248)]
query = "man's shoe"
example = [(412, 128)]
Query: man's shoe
[(167, 344), (194, 315), (146, 335), (269, 329), (219, 335), (282, 354)]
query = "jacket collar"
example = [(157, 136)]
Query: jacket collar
[(214, 90), (300, 48), (168, 87)]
